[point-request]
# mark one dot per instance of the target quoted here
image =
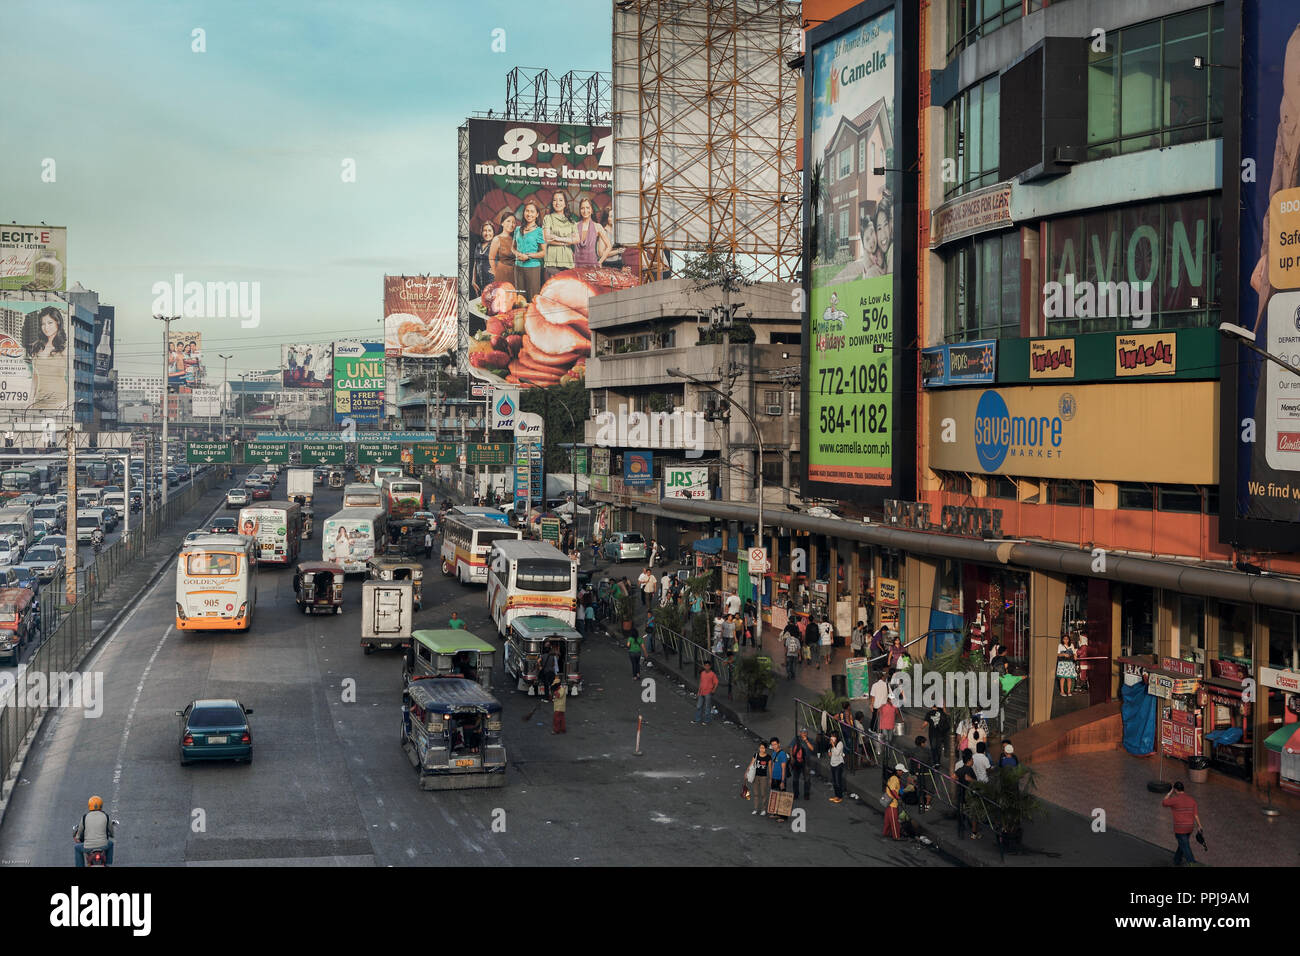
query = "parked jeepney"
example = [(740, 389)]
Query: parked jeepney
[(336, 479), (452, 733), (525, 648), (449, 653), (387, 615), (318, 586), (396, 569)]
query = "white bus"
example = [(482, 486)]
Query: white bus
[(216, 584), (353, 536), (362, 495), (277, 528), (466, 541), (403, 496), (380, 472), (527, 578)]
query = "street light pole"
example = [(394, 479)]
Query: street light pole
[(1247, 338), (166, 320), (225, 389)]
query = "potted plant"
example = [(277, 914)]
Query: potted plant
[(756, 680), (1011, 803)]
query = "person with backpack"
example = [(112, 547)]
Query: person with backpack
[(801, 757), (792, 648)]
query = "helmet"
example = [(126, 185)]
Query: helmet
[(95, 803)]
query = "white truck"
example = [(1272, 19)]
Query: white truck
[(301, 482)]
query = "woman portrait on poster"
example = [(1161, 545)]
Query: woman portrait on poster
[(342, 545), (593, 243), (501, 254), (560, 235), (530, 250), (190, 360), (480, 264), (46, 345), (885, 230)]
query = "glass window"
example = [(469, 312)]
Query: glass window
[(1184, 498), (846, 162), (1191, 628), (1136, 497), (1000, 486), (971, 137), (982, 288), (1235, 627), (1283, 640)]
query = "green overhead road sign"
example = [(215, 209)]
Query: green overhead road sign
[(379, 453), (267, 453), (322, 453), (492, 453), (435, 453), (207, 452)]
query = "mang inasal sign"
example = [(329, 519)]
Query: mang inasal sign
[(859, 309)]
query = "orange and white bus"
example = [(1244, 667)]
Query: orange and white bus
[(276, 526), (530, 577), (466, 541), (405, 496), (216, 583)]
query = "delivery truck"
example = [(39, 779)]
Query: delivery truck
[(301, 485)]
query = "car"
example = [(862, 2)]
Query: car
[(29, 578), (40, 529), (59, 541), (11, 551), (45, 560), (237, 498), (259, 492), (215, 730), (625, 546), (195, 535), (223, 526), (252, 478)]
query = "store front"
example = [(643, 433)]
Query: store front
[(996, 607)]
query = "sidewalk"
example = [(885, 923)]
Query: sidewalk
[(1063, 834)]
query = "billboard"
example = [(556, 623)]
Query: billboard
[(1260, 412), (205, 402), (861, 284), (307, 366), (184, 361), (34, 347), (529, 183), (359, 381), (33, 258), (419, 316), (104, 322)]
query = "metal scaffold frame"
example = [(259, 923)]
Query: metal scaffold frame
[(462, 249), (705, 135)]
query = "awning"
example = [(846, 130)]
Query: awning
[(1285, 739), (708, 545)]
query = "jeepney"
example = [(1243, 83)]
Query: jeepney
[(525, 647), (318, 586), (449, 652), (452, 733)]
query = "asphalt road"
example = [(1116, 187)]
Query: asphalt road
[(329, 783)]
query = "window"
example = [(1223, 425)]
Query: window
[(846, 163), (971, 137), (844, 225), (862, 155), (1074, 493), (1184, 498), (540, 574), (954, 483), (1145, 93), (1283, 640), (1136, 497), (1000, 486), (969, 20), (982, 288)]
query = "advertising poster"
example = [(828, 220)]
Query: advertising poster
[(850, 381), (540, 247), (184, 361), (359, 381), (307, 366), (638, 468), (105, 319), (1267, 396), (33, 258), (419, 316), (33, 355)]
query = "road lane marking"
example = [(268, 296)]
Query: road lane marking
[(130, 714)]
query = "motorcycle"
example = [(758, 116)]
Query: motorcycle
[(97, 857), (97, 541)]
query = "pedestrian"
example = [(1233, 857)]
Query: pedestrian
[(590, 613), (704, 705), (1066, 668), (645, 586), (733, 603), (858, 638), (1186, 821), (792, 647), (634, 649), (455, 623), (965, 777), (981, 762), (665, 588), (921, 773), (837, 767), (879, 693), (760, 786), (428, 545), (894, 791), (1009, 758), (826, 635), (895, 653), (780, 760), (938, 727), (650, 634), (559, 704), (888, 720), (696, 605), (879, 641), (750, 628), (808, 635), (545, 670), (801, 758)]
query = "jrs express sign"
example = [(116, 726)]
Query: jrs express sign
[(686, 483)]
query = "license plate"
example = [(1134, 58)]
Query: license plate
[(218, 740), (464, 763)]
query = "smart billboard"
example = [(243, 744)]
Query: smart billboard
[(359, 381)]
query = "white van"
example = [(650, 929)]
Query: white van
[(88, 522)]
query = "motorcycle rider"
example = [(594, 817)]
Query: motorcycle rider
[(94, 832)]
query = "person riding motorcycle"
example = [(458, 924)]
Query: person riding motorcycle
[(97, 536), (95, 832)]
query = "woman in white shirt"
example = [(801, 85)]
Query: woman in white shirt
[(837, 767)]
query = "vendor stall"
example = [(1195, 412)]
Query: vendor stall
[(1283, 746), (1227, 705)]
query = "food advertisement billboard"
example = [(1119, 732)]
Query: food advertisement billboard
[(419, 316)]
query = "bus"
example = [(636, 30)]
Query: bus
[(405, 496), (353, 536), (528, 578), (216, 584), (362, 495), (492, 514), (18, 481), (99, 474), (466, 541), (276, 526), (380, 472)]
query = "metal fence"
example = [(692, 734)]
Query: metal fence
[(669, 642), (67, 634)]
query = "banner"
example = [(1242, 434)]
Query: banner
[(505, 406), (33, 258), (638, 468), (184, 361), (359, 381), (205, 402), (307, 366), (690, 483), (104, 322), (34, 355), (419, 316), (527, 319)]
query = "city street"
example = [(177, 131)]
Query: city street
[(329, 783)]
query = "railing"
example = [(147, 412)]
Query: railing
[(670, 642)]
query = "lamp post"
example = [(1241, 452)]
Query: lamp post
[(225, 389), (1247, 338), (166, 320)]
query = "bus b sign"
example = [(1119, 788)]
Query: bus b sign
[(758, 560)]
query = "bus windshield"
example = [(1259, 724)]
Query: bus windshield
[(207, 563), (542, 574)]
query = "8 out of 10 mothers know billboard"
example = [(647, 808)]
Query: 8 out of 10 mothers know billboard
[(858, 422)]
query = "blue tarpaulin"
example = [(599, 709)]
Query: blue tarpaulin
[(945, 632), (1137, 710), (708, 545)]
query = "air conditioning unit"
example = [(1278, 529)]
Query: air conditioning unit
[(773, 409)]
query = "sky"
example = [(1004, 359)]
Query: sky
[(228, 165)]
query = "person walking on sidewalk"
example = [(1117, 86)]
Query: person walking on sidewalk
[(634, 649), (708, 684), (1186, 821), (879, 694), (981, 762), (649, 585), (761, 785), (837, 767), (428, 545), (888, 720), (751, 626), (938, 727), (857, 641), (965, 777), (791, 653), (894, 791), (780, 762), (801, 758), (560, 704), (826, 637)]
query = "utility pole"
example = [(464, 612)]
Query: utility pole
[(70, 564), (166, 320), (225, 389)]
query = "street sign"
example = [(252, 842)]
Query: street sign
[(551, 530), (435, 452), (491, 453), (580, 460), (478, 390), (758, 560), (322, 453), (378, 452), (206, 452), (267, 452)]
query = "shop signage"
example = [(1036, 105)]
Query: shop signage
[(934, 370), (730, 567), (686, 482), (1280, 679), (953, 519), (1228, 670), (638, 468), (887, 592), (1052, 358), (1178, 738), (600, 461), (1152, 354), (1175, 665), (1159, 685), (1224, 697), (970, 363), (979, 211), (820, 587), (600, 483)]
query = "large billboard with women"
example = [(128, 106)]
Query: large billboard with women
[(858, 417), (34, 345), (184, 361), (540, 245), (307, 365)]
